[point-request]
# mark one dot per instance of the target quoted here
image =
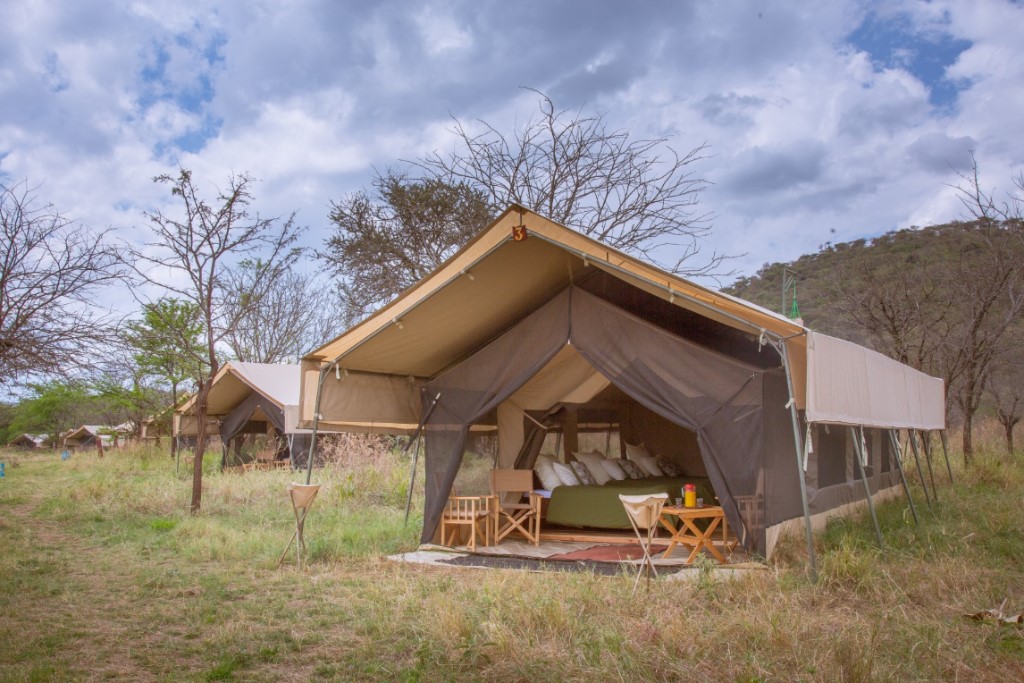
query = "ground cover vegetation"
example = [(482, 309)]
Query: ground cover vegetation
[(107, 576)]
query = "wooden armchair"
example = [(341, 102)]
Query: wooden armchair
[(517, 506), (475, 512)]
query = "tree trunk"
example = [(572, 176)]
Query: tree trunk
[(197, 463), (1008, 426), (174, 404), (967, 442)]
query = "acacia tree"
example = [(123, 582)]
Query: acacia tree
[(638, 195), (194, 256), (385, 242), (50, 270), (127, 395), (167, 344), (297, 313)]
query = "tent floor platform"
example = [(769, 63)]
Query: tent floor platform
[(604, 557)]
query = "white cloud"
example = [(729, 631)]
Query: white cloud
[(807, 134)]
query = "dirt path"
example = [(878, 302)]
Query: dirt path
[(77, 605)]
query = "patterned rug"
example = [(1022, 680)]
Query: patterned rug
[(609, 553)]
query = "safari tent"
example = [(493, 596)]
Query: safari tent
[(251, 399), (533, 328), (86, 436), (30, 441)]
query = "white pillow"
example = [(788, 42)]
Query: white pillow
[(632, 451), (593, 462), (649, 465), (613, 470), (565, 474), (546, 473), (647, 462)]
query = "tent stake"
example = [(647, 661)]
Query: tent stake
[(860, 456), (898, 456), (945, 453), (916, 457), (797, 441)]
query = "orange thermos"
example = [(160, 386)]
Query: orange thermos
[(689, 496)]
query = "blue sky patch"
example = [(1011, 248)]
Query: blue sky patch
[(895, 43), (155, 86)]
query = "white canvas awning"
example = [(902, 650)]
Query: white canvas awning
[(234, 383), (852, 385)]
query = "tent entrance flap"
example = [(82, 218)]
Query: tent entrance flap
[(716, 396)]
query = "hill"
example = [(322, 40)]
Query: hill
[(945, 299), (835, 284)]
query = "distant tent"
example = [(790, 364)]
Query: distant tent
[(30, 441), (251, 398), (86, 436), (533, 325)]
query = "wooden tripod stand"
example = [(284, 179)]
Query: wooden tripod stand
[(302, 497)]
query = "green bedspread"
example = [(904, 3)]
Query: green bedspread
[(600, 507)]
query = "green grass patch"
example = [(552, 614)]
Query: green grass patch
[(107, 576)]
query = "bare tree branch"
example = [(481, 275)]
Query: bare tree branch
[(50, 271), (638, 195), (296, 314)]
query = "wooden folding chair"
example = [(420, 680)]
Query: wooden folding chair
[(512, 513), (750, 509), (474, 512), (643, 512)]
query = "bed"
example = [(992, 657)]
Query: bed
[(599, 507)]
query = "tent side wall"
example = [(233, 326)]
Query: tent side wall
[(358, 401)]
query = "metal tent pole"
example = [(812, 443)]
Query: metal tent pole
[(920, 472), (860, 456), (945, 453), (416, 455), (797, 440), (316, 420), (898, 456), (412, 477), (926, 445)]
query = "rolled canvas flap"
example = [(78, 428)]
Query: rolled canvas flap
[(851, 385)]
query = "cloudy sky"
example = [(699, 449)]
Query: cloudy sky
[(826, 121)]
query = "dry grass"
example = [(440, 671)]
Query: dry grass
[(106, 576)]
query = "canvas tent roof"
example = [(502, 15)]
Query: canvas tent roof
[(235, 380), (496, 280), (244, 395), (86, 433), (275, 387), (30, 440)]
